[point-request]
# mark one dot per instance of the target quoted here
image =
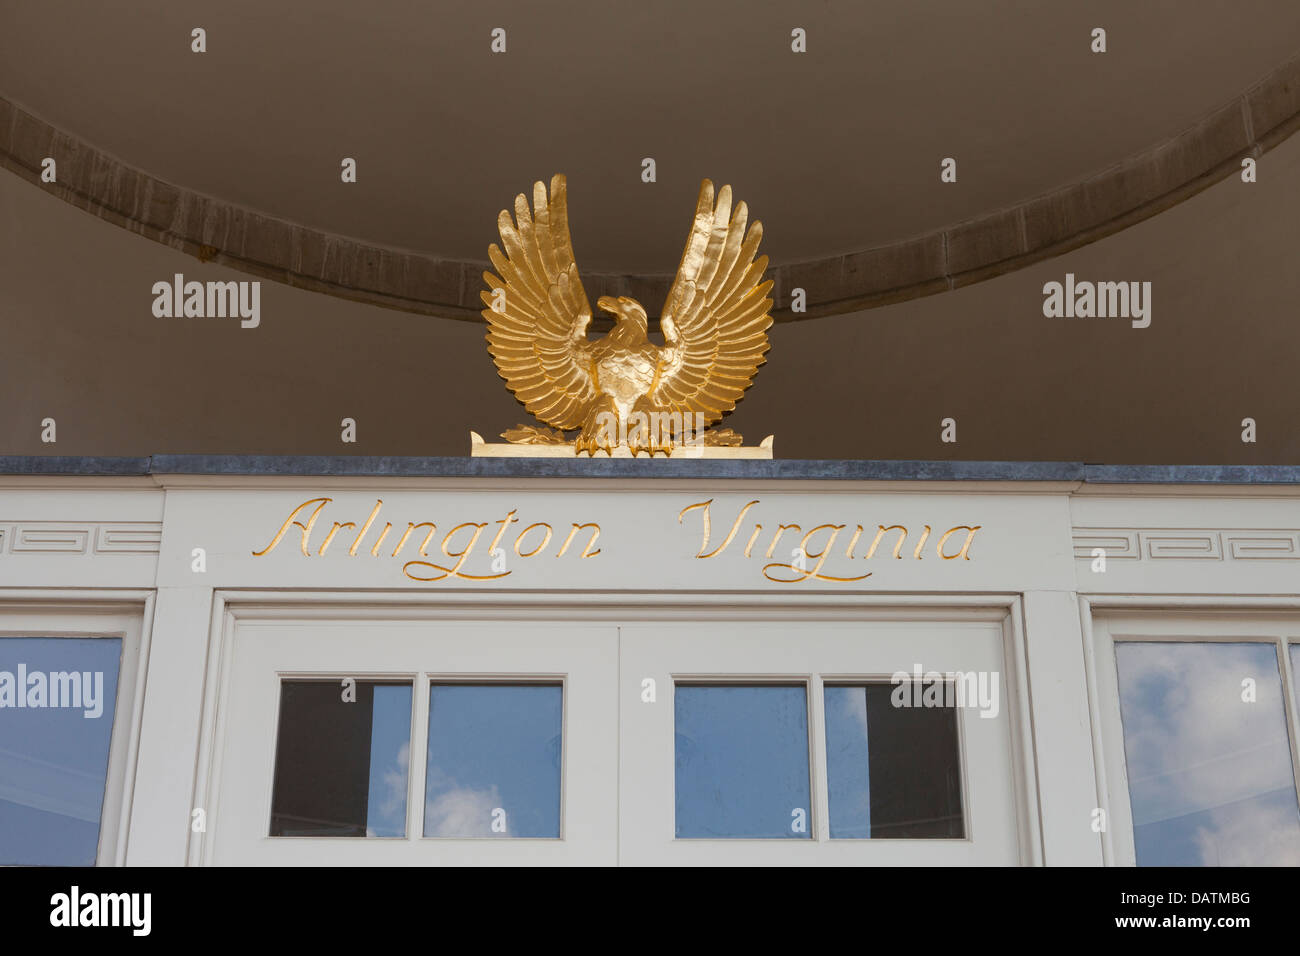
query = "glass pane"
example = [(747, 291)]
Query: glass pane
[(742, 761), (894, 769), (495, 754), (1209, 763), (341, 759), (57, 696)]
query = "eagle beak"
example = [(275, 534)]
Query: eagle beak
[(608, 303)]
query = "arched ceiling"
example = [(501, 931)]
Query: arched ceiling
[(836, 150)]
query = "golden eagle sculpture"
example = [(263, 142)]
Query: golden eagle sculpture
[(714, 326)]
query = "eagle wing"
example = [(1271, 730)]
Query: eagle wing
[(716, 317), (537, 335)]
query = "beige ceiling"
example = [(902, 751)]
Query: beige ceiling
[(835, 150)]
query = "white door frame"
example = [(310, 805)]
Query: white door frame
[(775, 650), (259, 652), (231, 607)]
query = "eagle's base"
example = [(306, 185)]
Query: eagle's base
[(478, 448)]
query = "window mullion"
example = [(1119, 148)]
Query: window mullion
[(418, 757), (1289, 704)]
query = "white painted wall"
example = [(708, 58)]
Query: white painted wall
[(69, 543)]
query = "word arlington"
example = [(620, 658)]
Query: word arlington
[(801, 554), (210, 300), (530, 541)]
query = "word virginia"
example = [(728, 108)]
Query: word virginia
[(798, 570)]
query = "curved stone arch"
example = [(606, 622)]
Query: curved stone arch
[(961, 254)]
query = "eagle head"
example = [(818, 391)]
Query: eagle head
[(630, 318)]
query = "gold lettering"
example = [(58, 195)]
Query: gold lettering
[(881, 533), (463, 553), (446, 572), (752, 538), (835, 530), (586, 552), (730, 534), (382, 535), (411, 526), (522, 534), (804, 575), (700, 504), (970, 536), (306, 528), (800, 574), (462, 556), (307, 514), (780, 530), (324, 545), (920, 544), (509, 519), (853, 542), (352, 551)]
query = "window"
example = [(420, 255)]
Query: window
[(742, 761), (341, 759), (67, 679), (494, 766), (548, 740), (796, 741), (1198, 735), (894, 768), (1210, 777), (423, 742)]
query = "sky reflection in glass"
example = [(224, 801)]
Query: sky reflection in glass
[(1209, 774), (54, 760), (494, 760), (742, 761)]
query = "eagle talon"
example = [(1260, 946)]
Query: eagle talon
[(653, 434), (597, 429)]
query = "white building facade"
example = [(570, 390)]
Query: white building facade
[(778, 663)]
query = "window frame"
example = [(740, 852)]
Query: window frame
[(1112, 624), (588, 802), (1003, 612), (86, 614), (647, 784)]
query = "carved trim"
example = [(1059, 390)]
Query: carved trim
[(1162, 544), (60, 537), (961, 254)]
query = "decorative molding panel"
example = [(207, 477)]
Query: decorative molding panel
[(1216, 544), (78, 537)]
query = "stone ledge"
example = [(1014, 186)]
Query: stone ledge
[(360, 466), (999, 242)]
